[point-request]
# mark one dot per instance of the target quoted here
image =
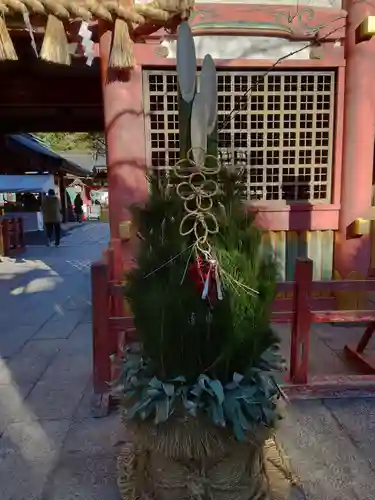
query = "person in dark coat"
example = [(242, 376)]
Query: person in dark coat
[(78, 207), (51, 209)]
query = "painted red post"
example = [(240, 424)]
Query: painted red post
[(21, 234), (115, 309), (110, 254), (353, 254), (13, 228), (301, 323), (118, 266), (118, 272), (13, 234), (100, 327), (17, 234), (125, 136), (6, 237)]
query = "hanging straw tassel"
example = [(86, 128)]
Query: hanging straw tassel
[(7, 51), (122, 55), (55, 46)]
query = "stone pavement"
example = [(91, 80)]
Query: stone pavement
[(50, 446), (330, 443), (331, 446)]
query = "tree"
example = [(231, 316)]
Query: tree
[(208, 350), (83, 141), (182, 333)]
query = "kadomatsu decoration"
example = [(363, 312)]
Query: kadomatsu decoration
[(199, 391)]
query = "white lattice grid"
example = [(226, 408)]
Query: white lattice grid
[(282, 136)]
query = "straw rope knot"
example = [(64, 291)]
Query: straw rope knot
[(197, 191)]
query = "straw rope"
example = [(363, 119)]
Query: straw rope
[(107, 10), (122, 14)]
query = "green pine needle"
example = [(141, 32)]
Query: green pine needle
[(181, 333)]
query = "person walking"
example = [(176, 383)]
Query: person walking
[(51, 209), (78, 207)]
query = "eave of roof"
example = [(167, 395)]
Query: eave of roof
[(89, 162), (83, 159), (32, 143)]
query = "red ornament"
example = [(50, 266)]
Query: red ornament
[(198, 273)]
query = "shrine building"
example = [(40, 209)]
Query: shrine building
[(296, 107)]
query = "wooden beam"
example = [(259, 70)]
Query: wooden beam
[(50, 90), (33, 119)]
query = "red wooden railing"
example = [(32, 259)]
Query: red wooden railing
[(302, 316), (13, 238), (112, 329)]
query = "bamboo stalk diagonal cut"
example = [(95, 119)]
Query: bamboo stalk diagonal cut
[(186, 62), (198, 129), (208, 90)]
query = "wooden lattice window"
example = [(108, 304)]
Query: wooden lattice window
[(281, 136)]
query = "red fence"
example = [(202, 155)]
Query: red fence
[(112, 329), (13, 239), (302, 316)]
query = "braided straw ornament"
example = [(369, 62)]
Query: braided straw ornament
[(158, 12), (197, 191)]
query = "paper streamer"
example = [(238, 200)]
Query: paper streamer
[(87, 43), (29, 28)]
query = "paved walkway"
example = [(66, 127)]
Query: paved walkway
[(50, 446), (331, 445)]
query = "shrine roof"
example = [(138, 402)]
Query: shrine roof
[(87, 161), (33, 143), (52, 161)]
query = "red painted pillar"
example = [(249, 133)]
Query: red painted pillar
[(103, 345), (301, 323), (353, 254), (125, 136)]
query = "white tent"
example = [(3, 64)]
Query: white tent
[(26, 183)]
